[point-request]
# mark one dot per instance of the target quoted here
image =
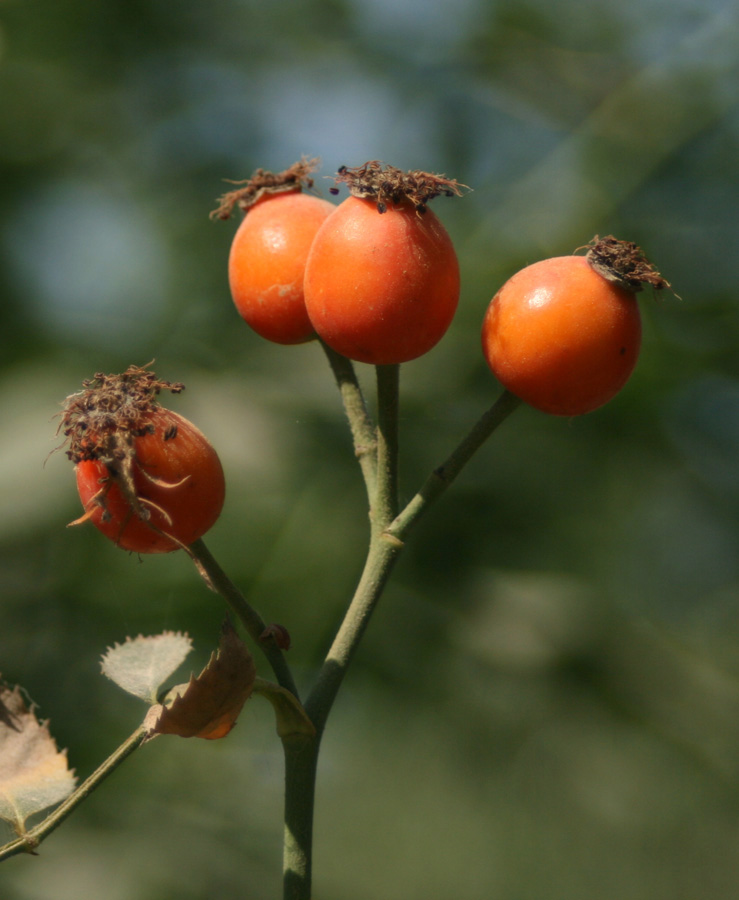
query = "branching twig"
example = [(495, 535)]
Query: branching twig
[(249, 617), (440, 479)]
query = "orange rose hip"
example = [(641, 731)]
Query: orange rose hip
[(382, 278), (564, 334), (266, 262)]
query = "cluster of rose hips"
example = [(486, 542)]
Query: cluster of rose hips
[(376, 278)]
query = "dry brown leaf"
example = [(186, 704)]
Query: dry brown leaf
[(33, 773), (209, 705)]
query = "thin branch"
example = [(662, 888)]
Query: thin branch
[(385, 502), (360, 423), (255, 626), (386, 545), (384, 549), (444, 475), (381, 555)]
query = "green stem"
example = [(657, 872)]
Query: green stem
[(385, 506), (32, 838), (387, 541), (383, 552), (360, 424), (217, 579), (301, 758), (301, 752), (440, 479), (381, 555)]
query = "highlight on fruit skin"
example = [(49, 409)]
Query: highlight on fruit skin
[(564, 333), (148, 479)]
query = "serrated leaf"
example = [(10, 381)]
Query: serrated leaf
[(141, 665), (209, 705), (33, 773)]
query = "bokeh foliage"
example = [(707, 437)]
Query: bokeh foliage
[(547, 703)]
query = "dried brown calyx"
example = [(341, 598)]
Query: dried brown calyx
[(295, 178), (388, 186), (102, 421), (623, 263)]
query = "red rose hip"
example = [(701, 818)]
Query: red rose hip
[(148, 478)]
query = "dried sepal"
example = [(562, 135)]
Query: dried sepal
[(624, 264), (387, 185), (102, 422), (295, 178)]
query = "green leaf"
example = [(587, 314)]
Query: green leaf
[(141, 665)]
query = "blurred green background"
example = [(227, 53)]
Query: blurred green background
[(547, 703)]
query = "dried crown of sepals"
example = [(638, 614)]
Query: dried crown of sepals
[(295, 178), (387, 185), (101, 421), (624, 264)]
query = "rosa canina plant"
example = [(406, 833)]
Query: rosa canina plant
[(375, 280)]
